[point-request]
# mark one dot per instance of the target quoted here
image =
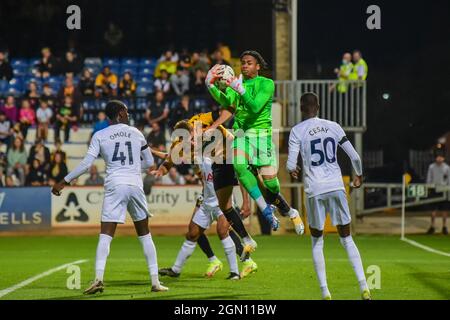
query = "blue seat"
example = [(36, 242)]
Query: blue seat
[(89, 105), (144, 79), (115, 70), (129, 62), (19, 63), (141, 103), (112, 62), (19, 72), (93, 62), (15, 87), (33, 62), (144, 89), (132, 70), (146, 71), (101, 104)]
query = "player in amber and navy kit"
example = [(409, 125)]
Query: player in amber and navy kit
[(125, 152), (317, 140)]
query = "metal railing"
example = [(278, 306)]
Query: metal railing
[(347, 108), (393, 200)]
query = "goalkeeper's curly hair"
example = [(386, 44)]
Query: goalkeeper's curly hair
[(257, 56)]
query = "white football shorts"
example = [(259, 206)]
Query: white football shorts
[(122, 198), (205, 215), (335, 203)]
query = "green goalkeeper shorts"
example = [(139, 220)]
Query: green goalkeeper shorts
[(258, 145)]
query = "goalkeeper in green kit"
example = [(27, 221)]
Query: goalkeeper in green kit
[(249, 98)]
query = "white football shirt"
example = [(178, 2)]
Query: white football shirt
[(120, 147), (209, 194), (317, 140)]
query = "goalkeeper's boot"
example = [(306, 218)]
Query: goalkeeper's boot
[(249, 266), (365, 295), (168, 272), (269, 215), (233, 276), (297, 221), (159, 288), (96, 286), (213, 267), (326, 295), (249, 247)]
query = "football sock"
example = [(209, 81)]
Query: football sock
[(213, 258), (319, 263), (355, 260), (185, 252), (279, 201), (248, 180), (101, 256), (235, 221), (150, 256), (237, 242), (230, 252), (204, 244)]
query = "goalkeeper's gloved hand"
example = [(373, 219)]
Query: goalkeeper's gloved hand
[(213, 74), (236, 84)]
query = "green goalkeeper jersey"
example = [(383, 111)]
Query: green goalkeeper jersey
[(252, 110)]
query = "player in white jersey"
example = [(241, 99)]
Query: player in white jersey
[(122, 147), (202, 219), (317, 140)]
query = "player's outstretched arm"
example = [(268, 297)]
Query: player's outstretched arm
[(224, 115), (159, 154), (355, 159), (147, 158), (255, 104)]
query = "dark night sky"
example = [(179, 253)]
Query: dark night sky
[(409, 58)]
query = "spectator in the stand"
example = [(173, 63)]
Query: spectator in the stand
[(217, 58), (183, 110), (224, 50), (439, 175), (10, 109), (5, 129), (360, 68), (163, 83), (106, 83), (17, 160), (16, 131), (6, 71), (41, 152), (173, 178), (47, 64), (156, 138), (58, 149), (166, 63), (43, 117), (101, 123), (95, 179), (48, 96), (70, 64), (32, 94), (199, 63), (86, 85), (37, 175), (58, 169), (185, 60), (197, 86), (27, 117), (127, 86), (66, 117), (158, 111), (69, 90), (180, 81)]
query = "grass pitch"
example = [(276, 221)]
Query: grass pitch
[(285, 269)]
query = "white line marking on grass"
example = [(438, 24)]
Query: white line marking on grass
[(22, 284), (426, 248)]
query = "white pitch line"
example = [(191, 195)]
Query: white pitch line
[(24, 283), (426, 248)]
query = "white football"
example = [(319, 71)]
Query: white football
[(227, 73)]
